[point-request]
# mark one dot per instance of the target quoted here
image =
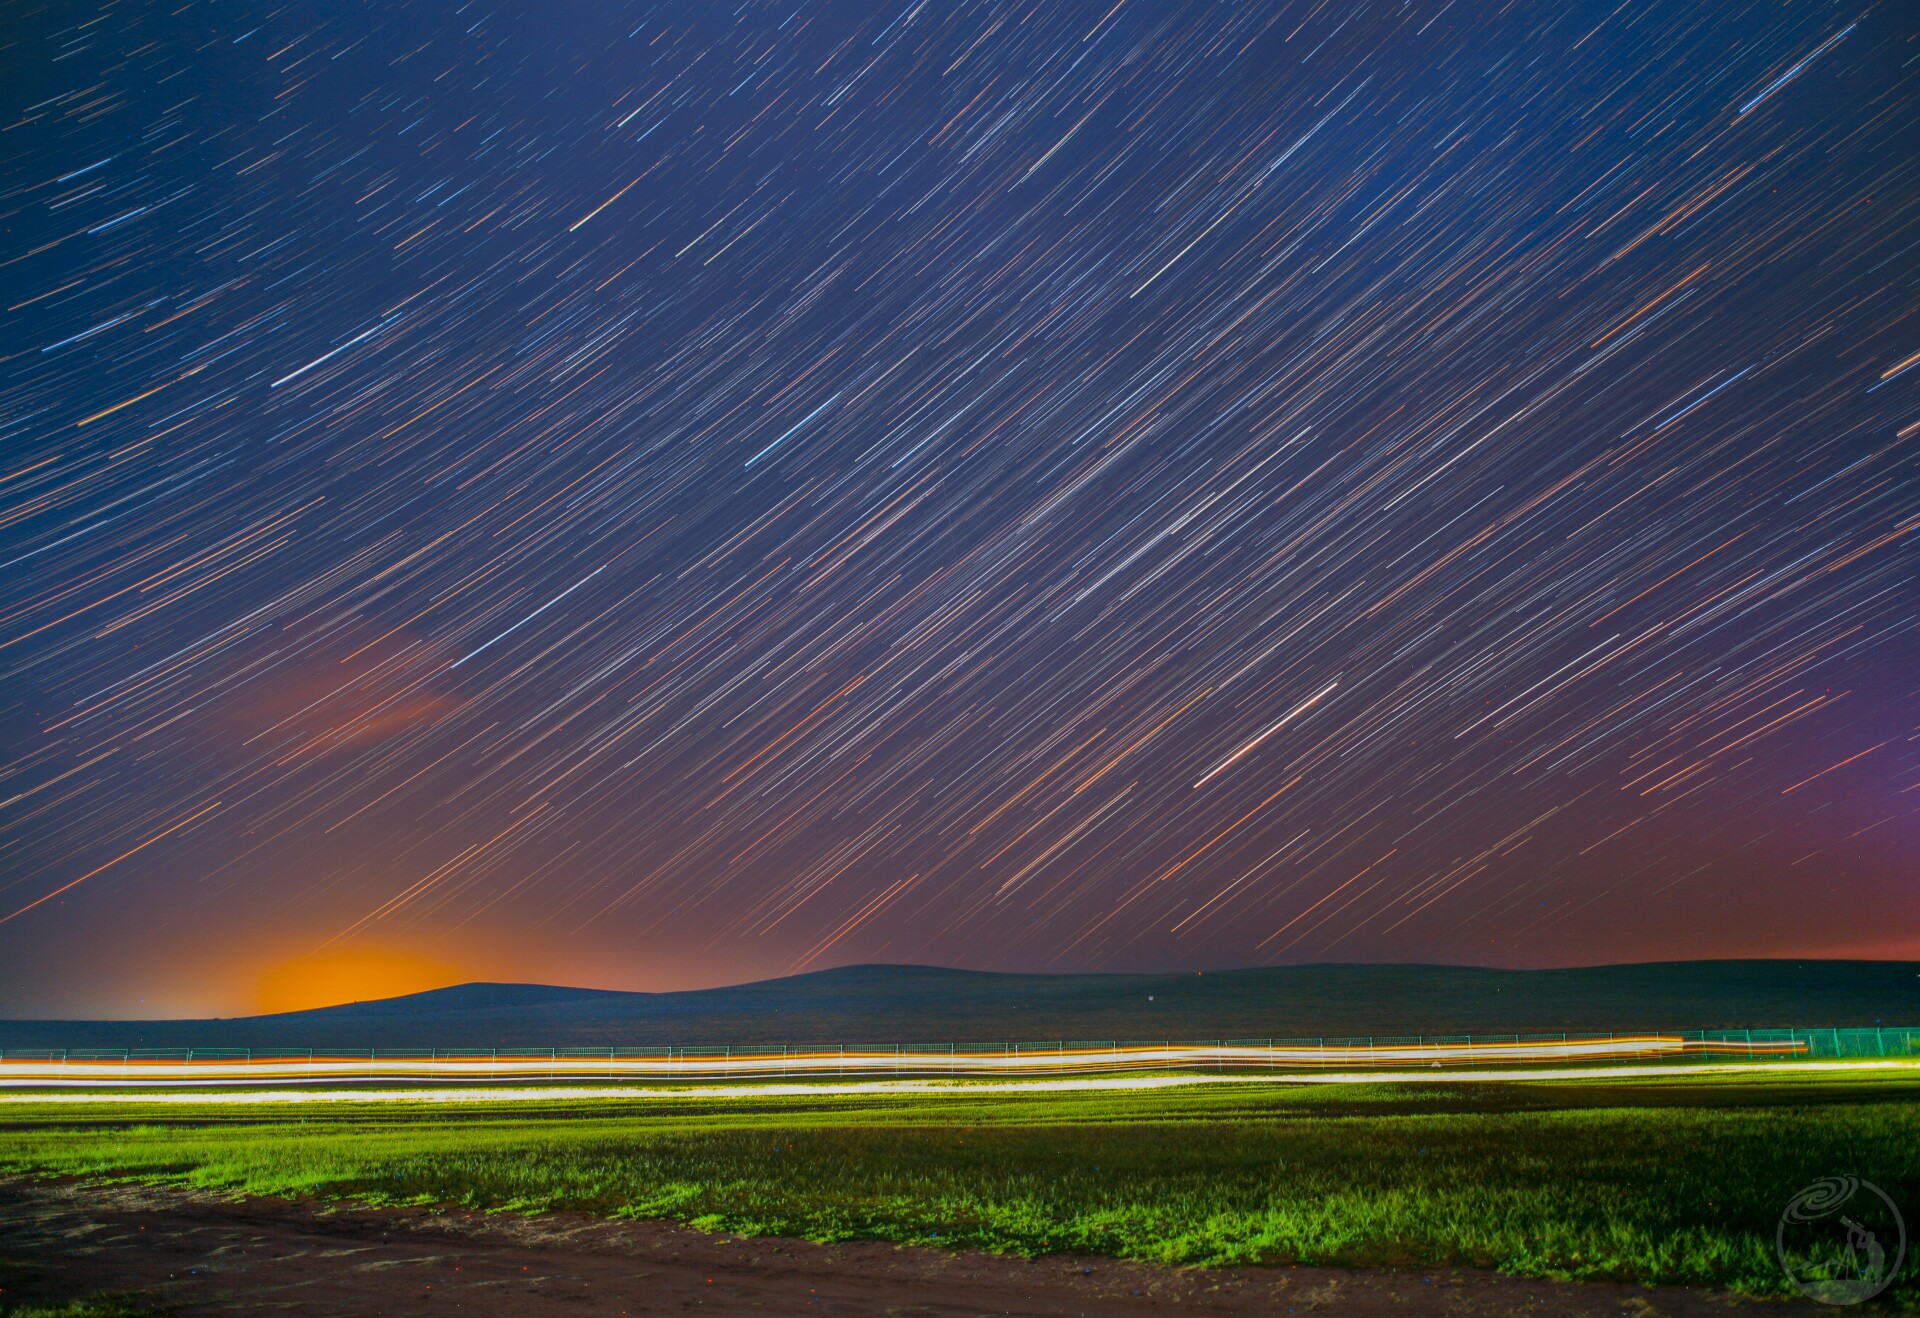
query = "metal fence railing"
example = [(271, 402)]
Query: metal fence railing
[(215, 1066)]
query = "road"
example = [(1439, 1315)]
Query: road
[(194, 1253)]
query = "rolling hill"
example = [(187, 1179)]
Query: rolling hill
[(925, 1004)]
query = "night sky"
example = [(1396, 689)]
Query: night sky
[(659, 495)]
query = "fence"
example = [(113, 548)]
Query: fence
[(225, 1066)]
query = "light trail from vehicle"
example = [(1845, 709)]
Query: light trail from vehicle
[(1011, 1060), (934, 1088)]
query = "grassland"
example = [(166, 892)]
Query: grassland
[(106, 1306), (1652, 1180)]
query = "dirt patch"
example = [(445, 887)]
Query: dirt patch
[(193, 1253)]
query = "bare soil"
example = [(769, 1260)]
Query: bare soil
[(193, 1253)]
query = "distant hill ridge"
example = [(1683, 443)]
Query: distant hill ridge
[(930, 1004)]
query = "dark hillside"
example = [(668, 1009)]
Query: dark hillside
[(924, 1004)]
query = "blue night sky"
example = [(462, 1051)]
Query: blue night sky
[(659, 495)]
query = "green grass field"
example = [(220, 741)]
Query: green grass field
[(1677, 1180), (109, 1306)]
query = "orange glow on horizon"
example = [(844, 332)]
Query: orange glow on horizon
[(358, 973)]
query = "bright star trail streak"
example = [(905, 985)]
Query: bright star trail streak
[(660, 494)]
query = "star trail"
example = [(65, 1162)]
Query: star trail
[(668, 493)]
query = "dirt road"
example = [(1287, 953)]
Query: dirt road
[(191, 1253)]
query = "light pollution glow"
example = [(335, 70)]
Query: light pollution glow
[(328, 976)]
